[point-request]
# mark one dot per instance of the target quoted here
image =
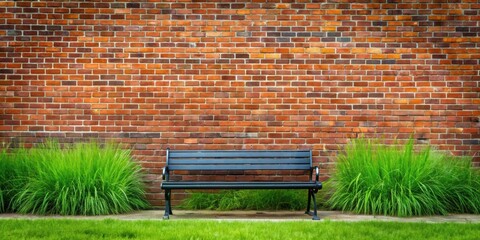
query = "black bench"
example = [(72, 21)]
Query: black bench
[(240, 160)]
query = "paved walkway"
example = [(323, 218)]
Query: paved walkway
[(258, 216)]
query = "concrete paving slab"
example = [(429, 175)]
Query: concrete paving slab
[(257, 216)]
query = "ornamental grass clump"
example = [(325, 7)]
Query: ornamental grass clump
[(372, 178), (82, 179)]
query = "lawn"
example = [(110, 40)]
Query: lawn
[(210, 229)]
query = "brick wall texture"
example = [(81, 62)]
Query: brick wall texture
[(275, 74)]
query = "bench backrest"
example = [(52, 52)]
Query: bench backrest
[(211, 160)]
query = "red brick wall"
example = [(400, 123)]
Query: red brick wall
[(240, 75)]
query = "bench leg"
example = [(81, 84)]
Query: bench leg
[(308, 202), (168, 206), (311, 195), (315, 216)]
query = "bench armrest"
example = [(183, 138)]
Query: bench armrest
[(165, 174), (317, 173)]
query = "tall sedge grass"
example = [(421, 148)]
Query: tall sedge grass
[(248, 200), (4, 180), (13, 172), (83, 179), (464, 195), (372, 178)]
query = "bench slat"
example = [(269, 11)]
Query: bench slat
[(210, 161), (234, 154), (241, 167)]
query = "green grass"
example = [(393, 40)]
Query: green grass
[(80, 179), (208, 229), (373, 178), (247, 200)]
